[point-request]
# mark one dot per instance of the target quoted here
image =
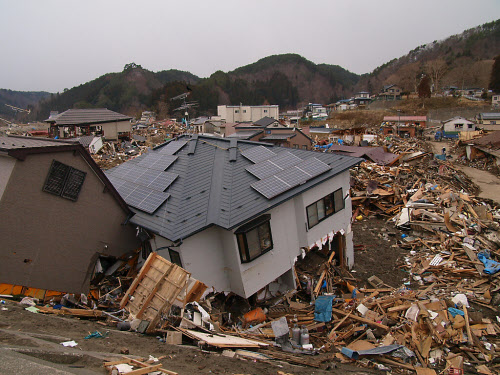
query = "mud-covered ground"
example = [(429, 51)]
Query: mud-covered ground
[(39, 336)]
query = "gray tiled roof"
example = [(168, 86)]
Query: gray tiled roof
[(11, 143), (265, 121), (87, 116), (212, 190), (244, 134), (278, 136)]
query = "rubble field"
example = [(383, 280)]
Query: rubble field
[(423, 296)]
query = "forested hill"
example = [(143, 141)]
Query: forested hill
[(128, 92), (288, 80), (20, 99), (462, 60)]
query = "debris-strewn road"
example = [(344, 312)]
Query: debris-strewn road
[(487, 182)]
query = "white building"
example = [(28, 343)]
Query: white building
[(247, 113), (232, 222), (458, 124)]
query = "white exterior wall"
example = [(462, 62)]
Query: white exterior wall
[(247, 113), (212, 256), (7, 164), (450, 125), (112, 129)]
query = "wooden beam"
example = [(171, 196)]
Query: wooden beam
[(363, 320)]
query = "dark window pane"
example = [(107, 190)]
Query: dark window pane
[(265, 237), (339, 200), (175, 257), (312, 215), (56, 178), (74, 184), (242, 247), (253, 243), (329, 205), (321, 209)]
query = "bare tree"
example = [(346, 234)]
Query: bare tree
[(409, 76), (436, 69)]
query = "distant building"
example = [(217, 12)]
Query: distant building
[(245, 113), (272, 131), (100, 121), (316, 111), (458, 124), (495, 100), (361, 98), (489, 121), (390, 92), (404, 125)]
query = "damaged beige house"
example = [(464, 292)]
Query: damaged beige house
[(59, 214)]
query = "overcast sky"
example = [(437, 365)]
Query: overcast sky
[(49, 45)]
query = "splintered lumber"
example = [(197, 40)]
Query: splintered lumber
[(290, 358), (155, 289), (144, 368), (223, 341), (81, 313), (467, 325), (362, 320)]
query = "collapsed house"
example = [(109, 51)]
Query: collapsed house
[(235, 213), (60, 213), (486, 146)]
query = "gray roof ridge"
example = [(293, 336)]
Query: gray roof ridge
[(215, 196)]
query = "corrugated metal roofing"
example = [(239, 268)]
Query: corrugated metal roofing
[(212, 190), (405, 118), (490, 116), (87, 116)]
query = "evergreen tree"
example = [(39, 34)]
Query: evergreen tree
[(424, 87), (495, 76)]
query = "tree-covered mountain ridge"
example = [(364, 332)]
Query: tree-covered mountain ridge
[(463, 60)]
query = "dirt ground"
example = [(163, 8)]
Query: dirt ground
[(39, 336), (376, 252)]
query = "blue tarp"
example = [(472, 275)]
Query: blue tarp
[(323, 309), (454, 312), (490, 266), (354, 354)]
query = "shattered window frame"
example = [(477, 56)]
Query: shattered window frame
[(324, 208), (64, 181), (260, 231)]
